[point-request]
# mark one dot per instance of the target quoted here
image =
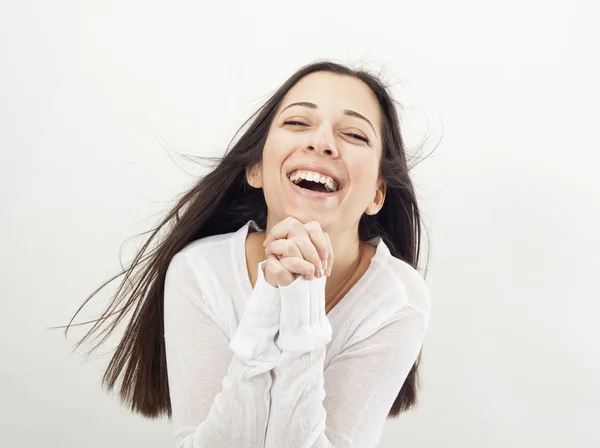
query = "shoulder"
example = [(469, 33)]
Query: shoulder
[(204, 257), (213, 244), (209, 249), (406, 285), (204, 271), (398, 291), (397, 296)]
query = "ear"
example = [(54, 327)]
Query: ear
[(377, 201), (254, 176)]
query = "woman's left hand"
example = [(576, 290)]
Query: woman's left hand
[(291, 238)]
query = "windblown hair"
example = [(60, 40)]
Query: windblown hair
[(222, 202)]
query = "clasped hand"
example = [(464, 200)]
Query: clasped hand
[(294, 249)]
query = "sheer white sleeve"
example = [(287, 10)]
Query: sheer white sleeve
[(219, 389), (362, 382)]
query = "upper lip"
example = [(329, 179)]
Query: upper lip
[(317, 169)]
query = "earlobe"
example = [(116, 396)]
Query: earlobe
[(377, 201), (253, 176)]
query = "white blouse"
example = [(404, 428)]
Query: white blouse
[(267, 367)]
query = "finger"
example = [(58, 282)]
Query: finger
[(283, 248), (276, 273), (297, 265), (320, 241), (284, 228), (291, 227), (309, 251), (301, 247)]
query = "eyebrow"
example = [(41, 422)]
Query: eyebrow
[(346, 112)]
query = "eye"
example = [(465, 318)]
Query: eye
[(356, 136), (359, 137)]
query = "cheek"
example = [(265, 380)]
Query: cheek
[(282, 142), (363, 171), (277, 148), (270, 153), (273, 158)]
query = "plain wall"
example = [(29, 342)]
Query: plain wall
[(507, 91)]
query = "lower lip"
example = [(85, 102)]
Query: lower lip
[(313, 194)]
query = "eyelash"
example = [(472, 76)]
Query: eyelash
[(359, 137)]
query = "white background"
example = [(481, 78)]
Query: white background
[(96, 97)]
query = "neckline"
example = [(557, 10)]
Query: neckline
[(375, 264)]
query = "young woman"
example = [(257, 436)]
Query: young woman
[(283, 308)]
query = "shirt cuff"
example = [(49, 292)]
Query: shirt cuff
[(254, 339), (304, 325)]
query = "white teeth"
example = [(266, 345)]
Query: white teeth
[(314, 177)]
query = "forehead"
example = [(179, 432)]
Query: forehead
[(333, 93)]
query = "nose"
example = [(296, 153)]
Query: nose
[(323, 142)]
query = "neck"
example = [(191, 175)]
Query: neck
[(346, 250)]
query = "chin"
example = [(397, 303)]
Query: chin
[(306, 216)]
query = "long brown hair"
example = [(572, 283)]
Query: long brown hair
[(222, 202)]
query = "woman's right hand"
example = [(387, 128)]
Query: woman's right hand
[(293, 248)]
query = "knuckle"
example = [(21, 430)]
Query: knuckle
[(313, 226), (297, 227), (292, 242)]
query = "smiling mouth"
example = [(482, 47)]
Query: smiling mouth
[(311, 189), (317, 183), (313, 186)]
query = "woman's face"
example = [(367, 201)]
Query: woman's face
[(336, 131)]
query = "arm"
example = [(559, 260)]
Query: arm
[(218, 399), (362, 382)]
